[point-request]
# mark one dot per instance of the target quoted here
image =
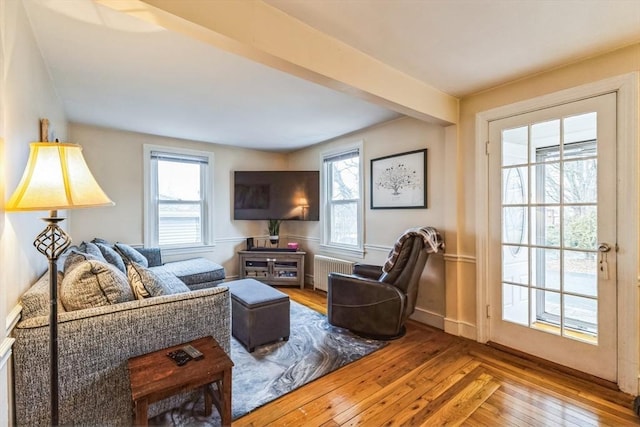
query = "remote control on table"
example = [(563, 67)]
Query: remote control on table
[(193, 352), (179, 356)]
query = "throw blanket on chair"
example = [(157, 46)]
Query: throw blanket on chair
[(431, 237)]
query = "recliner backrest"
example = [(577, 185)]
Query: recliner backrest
[(407, 270)]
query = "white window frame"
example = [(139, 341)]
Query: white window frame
[(150, 220), (326, 246)]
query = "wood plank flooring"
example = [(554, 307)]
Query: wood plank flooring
[(430, 378)]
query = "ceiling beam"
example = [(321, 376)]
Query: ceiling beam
[(265, 34)]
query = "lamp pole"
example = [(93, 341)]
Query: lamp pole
[(52, 242)]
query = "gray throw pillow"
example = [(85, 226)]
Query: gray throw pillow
[(146, 283), (130, 254), (74, 257), (92, 249), (94, 284), (112, 256)]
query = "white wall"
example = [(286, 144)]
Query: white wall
[(115, 158), (26, 95), (383, 226)]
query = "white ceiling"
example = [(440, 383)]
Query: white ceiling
[(464, 46), (113, 70)]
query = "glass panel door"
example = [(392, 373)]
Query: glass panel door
[(555, 169)]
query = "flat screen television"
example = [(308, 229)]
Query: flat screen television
[(288, 195)]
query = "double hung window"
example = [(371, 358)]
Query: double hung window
[(178, 208), (342, 197)]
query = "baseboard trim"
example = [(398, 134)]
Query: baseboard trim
[(460, 329), (428, 318), (308, 279)]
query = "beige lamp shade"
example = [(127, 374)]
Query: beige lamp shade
[(56, 177)]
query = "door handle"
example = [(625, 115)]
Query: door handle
[(604, 247)]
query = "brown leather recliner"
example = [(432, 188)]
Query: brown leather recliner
[(376, 301)]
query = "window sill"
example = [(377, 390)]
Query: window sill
[(186, 250)]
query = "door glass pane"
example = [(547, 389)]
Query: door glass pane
[(580, 179), (515, 304), (580, 128), (514, 186), (543, 135), (580, 226), (514, 220), (545, 226), (581, 272), (515, 264), (514, 146), (545, 185), (546, 273)]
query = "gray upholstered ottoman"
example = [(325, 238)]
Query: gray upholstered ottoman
[(259, 313)]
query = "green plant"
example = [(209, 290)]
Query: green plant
[(274, 227)]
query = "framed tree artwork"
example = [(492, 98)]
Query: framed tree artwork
[(399, 181)]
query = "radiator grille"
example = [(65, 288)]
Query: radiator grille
[(323, 265)]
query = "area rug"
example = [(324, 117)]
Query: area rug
[(314, 349)]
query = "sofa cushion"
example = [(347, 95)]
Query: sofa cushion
[(194, 271), (93, 284), (130, 254), (112, 256), (147, 283)]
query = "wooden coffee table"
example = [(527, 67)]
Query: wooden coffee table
[(155, 376)]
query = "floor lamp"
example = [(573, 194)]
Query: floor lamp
[(56, 177)]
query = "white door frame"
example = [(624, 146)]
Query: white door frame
[(627, 86)]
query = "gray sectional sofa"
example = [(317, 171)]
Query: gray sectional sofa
[(96, 342)]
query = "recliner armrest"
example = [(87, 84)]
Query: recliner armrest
[(365, 306), (355, 289), (367, 270)]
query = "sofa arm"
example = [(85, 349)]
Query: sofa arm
[(94, 346), (153, 255)]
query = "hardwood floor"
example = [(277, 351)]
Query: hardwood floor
[(430, 378)]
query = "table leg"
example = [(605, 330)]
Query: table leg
[(226, 398), (208, 399), (142, 407)]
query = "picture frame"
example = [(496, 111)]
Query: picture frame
[(399, 181)]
